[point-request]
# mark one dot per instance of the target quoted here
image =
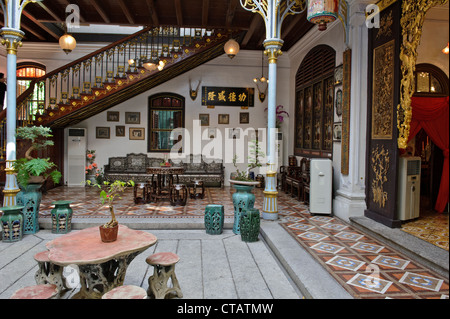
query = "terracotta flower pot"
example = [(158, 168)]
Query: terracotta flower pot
[(108, 234)]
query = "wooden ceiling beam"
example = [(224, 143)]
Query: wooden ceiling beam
[(254, 25), (205, 9), (50, 12), (152, 11), (126, 11), (41, 25), (100, 11), (230, 13), (179, 12)]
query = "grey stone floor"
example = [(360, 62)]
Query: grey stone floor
[(210, 266)]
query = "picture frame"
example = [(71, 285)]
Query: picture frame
[(120, 130), (244, 118), (112, 116), (338, 74), (132, 117), (204, 119), (338, 102), (137, 133), (337, 132), (102, 132), (224, 119)]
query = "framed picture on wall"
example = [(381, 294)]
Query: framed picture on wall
[(102, 132), (120, 130), (137, 133), (244, 118), (338, 102), (112, 116), (224, 118), (132, 118), (204, 119), (337, 132)]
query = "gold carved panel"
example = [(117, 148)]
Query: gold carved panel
[(380, 165), (383, 91)]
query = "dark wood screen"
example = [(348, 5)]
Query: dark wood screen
[(314, 102)]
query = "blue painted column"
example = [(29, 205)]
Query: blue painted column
[(11, 38)]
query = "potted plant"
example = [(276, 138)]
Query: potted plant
[(109, 192), (243, 198), (92, 171), (32, 172), (279, 115)]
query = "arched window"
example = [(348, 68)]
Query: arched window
[(27, 72), (430, 81), (165, 113), (314, 89)]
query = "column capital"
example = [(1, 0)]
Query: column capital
[(273, 49), (12, 39)]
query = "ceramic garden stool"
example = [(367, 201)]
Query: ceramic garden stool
[(198, 189), (36, 292), (12, 223), (61, 217), (30, 198), (164, 269), (178, 194), (249, 224), (243, 199), (214, 218), (49, 273), (126, 292)]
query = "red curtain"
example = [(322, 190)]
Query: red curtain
[(431, 114)]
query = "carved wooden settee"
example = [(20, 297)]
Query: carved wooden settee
[(134, 167)]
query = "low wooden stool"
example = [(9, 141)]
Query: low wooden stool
[(140, 193), (198, 189), (49, 273), (178, 194), (164, 269), (126, 292), (36, 292)]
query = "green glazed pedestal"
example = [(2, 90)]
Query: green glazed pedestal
[(243, 199), (214, 218), (12, 223), (249, 224), (61, 217), (30, 198)]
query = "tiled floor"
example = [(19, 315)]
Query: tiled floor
[(365, 267)]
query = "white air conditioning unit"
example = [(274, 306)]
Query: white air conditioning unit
[(408, 203), (76, 156), (320, 186)]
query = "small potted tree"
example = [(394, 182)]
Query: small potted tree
[(32, 172), (109, 192)]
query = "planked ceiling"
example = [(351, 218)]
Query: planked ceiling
[(44, 21)]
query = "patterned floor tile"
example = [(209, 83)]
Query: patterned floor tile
[(370, 283), (367, 247), (349, 236), (391, 262), (327, 248), (312, 235), (422, 281), (346, 263)]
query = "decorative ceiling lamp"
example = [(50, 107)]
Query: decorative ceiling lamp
[(264, 82), (231, 48), (67, 43), (445, 50), (322, 12)]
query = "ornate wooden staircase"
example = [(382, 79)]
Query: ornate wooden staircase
[(105, 78)]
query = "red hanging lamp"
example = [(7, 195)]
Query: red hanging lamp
[(322, 12)]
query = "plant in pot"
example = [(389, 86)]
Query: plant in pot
[(32, 172), (243, 198), (109, 192)]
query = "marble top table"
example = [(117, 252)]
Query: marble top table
[(164, 175), (102, 266)]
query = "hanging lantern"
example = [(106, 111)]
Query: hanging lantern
[(322, 12), (231, 48), (67, 43)]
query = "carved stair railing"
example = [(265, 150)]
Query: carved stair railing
[(105, 78)]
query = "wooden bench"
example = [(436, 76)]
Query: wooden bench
[(126, 292), (47, 291), (164, 269)]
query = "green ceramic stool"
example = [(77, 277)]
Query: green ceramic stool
[(61, 217), (249, 224), (214, 218), (12, 223)]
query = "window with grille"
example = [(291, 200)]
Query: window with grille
[(166, 112), (314, 100), (26, 72)]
